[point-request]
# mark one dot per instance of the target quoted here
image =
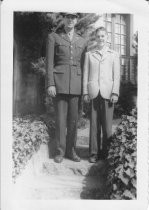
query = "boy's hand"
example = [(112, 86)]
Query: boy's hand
[(114, 98)]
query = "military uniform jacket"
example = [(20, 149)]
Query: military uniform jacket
[(101, 73), (64, 62)]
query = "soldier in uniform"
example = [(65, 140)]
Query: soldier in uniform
[(101, 84), (65, 52)]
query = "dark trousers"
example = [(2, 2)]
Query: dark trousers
[(101, 123), (66, 107)]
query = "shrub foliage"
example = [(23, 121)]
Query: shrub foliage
[(122, 159), (28, 134)]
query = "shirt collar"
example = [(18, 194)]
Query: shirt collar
[(69, 32), (103, 51)]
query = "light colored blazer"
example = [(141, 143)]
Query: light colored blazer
[(101, 73)]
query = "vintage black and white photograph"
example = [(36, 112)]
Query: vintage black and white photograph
[(75, 105)]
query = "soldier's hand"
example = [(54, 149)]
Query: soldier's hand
[(86, 98), (114, 98), (52, 91)]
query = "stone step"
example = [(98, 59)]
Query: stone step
[(58, 187), (45, 179)]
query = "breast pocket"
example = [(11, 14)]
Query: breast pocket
[(61, 49)]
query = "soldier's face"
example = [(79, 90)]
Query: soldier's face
[(70, 21), (101, 38)]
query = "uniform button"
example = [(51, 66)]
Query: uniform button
[(71, 58), (71, 46)]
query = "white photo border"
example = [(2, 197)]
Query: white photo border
[(140, 10)]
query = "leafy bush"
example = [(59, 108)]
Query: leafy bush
[(86, 109), (28, 134), (122, 159), (39, 66), (82, 122), (49, 104)]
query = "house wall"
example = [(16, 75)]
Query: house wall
[(28, 87)]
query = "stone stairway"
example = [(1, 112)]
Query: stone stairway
[(45, 179)]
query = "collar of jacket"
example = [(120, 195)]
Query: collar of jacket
[(65, 37), (96, 50), (99, 55)]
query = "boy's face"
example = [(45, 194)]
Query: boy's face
[(70, 21), (101, 38)]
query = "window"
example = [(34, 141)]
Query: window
[(108, 26), (117, 39), (120, 34), (116, 27)]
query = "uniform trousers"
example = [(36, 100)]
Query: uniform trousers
[(66, 107), (100, 125)]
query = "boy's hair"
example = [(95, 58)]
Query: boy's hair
[(101, 29)]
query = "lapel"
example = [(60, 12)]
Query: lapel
[(66, 38), (106, 53), (75, 37), (96, 54)]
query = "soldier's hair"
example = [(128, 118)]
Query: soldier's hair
[(101, 28)]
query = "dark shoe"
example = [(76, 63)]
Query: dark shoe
[(74, 157), (58, 158), (93, 159)]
